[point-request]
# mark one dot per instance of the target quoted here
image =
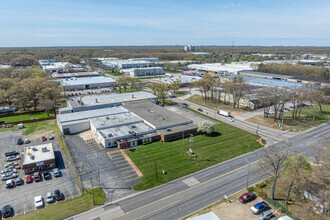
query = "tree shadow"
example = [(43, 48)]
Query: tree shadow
[(214, 134)]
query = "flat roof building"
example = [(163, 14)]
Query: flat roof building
[(122, 64), (38, 158), (86, 82), (147, 71), (76, 74), (145, 59), (185, 80)]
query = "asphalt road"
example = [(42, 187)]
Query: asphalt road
[(188, 194)]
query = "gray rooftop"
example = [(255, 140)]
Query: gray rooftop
[(126, 130), (35, 154), (155, 115), (183, 79), (76, 116), (115, 120), (85, 80), (90, 100)]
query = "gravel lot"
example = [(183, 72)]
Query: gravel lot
[(21, 198)]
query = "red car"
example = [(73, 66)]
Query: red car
[(28, 179), (247, 197), (44, 138)]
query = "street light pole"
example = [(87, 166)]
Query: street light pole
[(314, 113), (191, 141), (257, 128), (247, 180)]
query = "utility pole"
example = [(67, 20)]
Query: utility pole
[(92, 190), (191, 141), (247, 180), (182, 140), (156, 171), (257, 128)]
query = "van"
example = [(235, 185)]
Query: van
[(20, 126)]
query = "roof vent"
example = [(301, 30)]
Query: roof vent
[(162, 118), (107, 117), (44, 149), (109, 135), (133, 126), (96, 100), (34, 149), (168, 129)]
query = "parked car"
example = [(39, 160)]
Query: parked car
[(8, 176), (11, 153), (56, 172), (43, 138), (9, 170), (266, 215), (19, 181), (50, 137), (230, 118), (46, 175), (27, 141), (11, 164), (10, 183), (12, 158), (19, 141), (185, 104), (38, 202), (28, 179), (36, 176), (247, 197), (49, 197), (7, 211), (201, 110), (58, 195), (259, 208)]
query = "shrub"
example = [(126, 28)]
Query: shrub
[(251, 188), (261, 185), (206, 127), (263, 141)]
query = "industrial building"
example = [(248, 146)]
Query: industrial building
[(122, 64), (145, 59), (188, 48), (90, 102), (184, 80), (86, 83), (60, 67), (77, 74), (283, 78), (221, 68), (148, 71), (38, 158), (128, 124)]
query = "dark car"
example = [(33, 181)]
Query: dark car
[(58, 195), (11, 153), (259, 208), (19, 181), (247, 197), (200, 109), (47, 175), (185, 104), (19, 141), (50, 137), (7, 211)]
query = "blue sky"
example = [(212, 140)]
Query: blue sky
[(164, 22)]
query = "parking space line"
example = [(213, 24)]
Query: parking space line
[(78, 164), (121, 165), (124, 168), (99, 146), (113, 152), (24, 208), (120, 161), (132, 179), (82, 173), (116, 157), (19, 214), (127, 171), (71, 194), (130, 175)]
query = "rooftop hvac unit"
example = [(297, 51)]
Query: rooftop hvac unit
[(162, 118), (44, 149), (133, 126), (107, 117), (109, 135), (96, 101), (34, 149), (31, 156), (168, 129)]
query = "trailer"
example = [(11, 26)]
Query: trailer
[(224, 113)]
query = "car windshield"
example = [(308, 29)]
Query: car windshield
[(38, 201), (244, 196)]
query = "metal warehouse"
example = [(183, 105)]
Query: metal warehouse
[(148, 71), (185, 80), (86, 82)]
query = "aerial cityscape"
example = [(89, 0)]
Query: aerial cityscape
[(165, 110)]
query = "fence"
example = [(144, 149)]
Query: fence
[(280, 207)]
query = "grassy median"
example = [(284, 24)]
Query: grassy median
[(227, 142), (69, 207)]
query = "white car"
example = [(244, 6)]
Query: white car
[(9, 170), (8, 176), (38, 202), (49, 197), (230, 118)]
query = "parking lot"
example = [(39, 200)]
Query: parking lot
[(78, 92), (102, 167), (21, 198)]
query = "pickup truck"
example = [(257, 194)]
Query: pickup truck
[(259, 208)]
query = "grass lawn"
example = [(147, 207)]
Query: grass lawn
[(181, 93), (69, 207), (128, 89), (33, 127), (172, 71), (227, 142), (26, 117), (300, 124), (114, 74), (169, 102), (198, 99)]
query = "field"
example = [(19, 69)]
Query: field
[(34, 127), (70, 207), (198, 99), (26, 117), (300, 124), (227, 142)]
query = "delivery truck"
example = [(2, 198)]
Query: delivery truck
[(224, 113)]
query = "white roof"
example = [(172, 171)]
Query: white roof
[(35, 154), (183, 79), (115, 120), (206, 216), (74, 81), (220, 67)]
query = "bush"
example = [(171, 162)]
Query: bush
[(263, 141), (261, 185), (251, 188), (206, 127)]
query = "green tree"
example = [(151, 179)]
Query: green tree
[(205, 127)]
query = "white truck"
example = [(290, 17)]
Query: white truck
[(224, 113)]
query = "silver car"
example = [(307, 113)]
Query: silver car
[(9, 170), (49, 197), (8, 176)]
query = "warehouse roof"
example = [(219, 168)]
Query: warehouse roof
[(183, 79), (266, 81), (75, 116), (110, 98), (115, 120), (76, 74), (155, 115), (85, 80), (35, 154)]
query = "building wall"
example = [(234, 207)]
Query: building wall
[(178, 135), (90, 86), (75, 127), (47, 165)]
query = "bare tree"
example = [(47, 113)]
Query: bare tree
[(272, 163)]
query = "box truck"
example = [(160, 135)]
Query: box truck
[(224, 113)]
